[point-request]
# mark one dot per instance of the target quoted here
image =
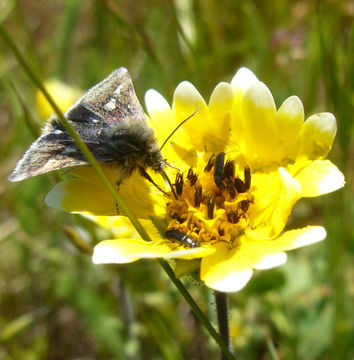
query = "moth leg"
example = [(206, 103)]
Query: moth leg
[(118, 182), (148, 177), (173, 167), (116, 206), (122, 174)]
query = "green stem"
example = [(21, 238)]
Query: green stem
[(223, 319), (203, 319), (271, 348), (111, 188)]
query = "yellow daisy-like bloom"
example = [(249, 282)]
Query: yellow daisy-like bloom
[(242, 164)]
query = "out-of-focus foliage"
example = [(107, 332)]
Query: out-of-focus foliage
[(54, 303)]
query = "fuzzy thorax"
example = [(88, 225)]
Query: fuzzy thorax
[(134, 145)]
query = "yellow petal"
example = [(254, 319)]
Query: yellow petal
[(294, 239), (259, 121), (232, 281), (179, 147), (220, 106), (190, 254), (319, 177), (87, 194), (289, 121), (270, 261), (221, 271), (230, 269), (122, 251), (317, 135), (160, 114), (80, 196), (156, 104), (277, 195), (243, 79), (186, 101), (182, 267), (120, 226)]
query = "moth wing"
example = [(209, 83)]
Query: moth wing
[(106, 105), (53, 150), (111, 101)]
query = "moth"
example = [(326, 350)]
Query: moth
[(112, 123)]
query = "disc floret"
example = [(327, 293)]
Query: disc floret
[(213, 201)]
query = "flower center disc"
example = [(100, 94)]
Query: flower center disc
[(212, 203)]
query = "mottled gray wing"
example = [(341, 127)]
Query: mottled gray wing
[(53, 150), (112, 101), (105, 106)]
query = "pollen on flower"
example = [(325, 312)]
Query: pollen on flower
[(213, 203)]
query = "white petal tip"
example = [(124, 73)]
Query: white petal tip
[(232, 282), (105, 254), (334, 181), (243, 78), (271, 261), (311, 236), (260, 96), (155, 101)]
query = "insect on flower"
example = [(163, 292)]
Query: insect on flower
[(234, 190), (111, 122), (181, 238)]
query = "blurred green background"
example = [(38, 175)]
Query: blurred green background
[(54, 303)]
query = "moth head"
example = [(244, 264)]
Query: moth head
[(154, 160)]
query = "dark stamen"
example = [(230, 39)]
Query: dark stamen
[(211, 205), (219, 169), (192, 177), (179, 183), (240, 185), (181, 238), (233, 217), (245, 205), (247, 173), (230, 188), (210, 163), (229, 169), (198, 196)]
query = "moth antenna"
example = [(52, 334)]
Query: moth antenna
[(177, 127)]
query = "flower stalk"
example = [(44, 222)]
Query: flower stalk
[(221, 301)]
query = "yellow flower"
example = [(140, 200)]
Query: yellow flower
[(242, 164)]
